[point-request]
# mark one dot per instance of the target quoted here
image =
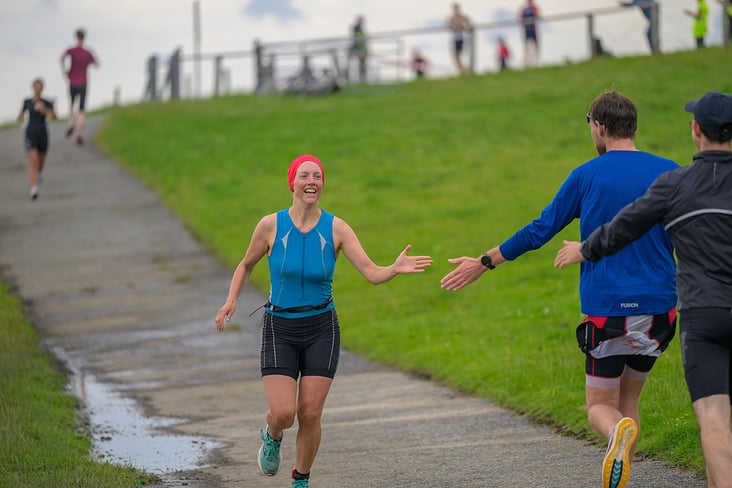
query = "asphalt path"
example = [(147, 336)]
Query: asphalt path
[(125, 296)]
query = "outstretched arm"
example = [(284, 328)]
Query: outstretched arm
[(258, 247), (469, 269), (347, 241)]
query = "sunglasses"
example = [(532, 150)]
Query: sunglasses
[(590, 119)]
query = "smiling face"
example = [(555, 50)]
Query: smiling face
[(308, 183)]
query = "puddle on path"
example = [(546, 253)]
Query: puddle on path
[(122, 434)]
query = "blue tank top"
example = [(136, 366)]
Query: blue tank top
[(301, 265)]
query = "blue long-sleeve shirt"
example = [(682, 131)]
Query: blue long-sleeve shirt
[(638, 280)]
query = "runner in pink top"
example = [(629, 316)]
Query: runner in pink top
[(81, 58)]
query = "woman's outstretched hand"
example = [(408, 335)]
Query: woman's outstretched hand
[(406, 264)]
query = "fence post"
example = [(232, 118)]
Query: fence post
[(217, 74), (271, 85), (197, 48), (726, 23), (473, 54), (258, 75), (174, 75), (591, 35), (654, 28), (151, 90), (400, 56)]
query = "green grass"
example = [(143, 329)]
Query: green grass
[(40, 443), (453, 167)]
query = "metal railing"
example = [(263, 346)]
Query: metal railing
[(279, 65)]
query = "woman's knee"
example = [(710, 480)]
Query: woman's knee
[(282, 418), (309, 415)]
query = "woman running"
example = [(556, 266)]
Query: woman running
[(300, 333), (36, 134)]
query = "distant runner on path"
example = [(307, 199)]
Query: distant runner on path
[(80, 58), (36, 133), (300, 329)]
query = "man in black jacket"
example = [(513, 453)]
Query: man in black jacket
[(695, 205)]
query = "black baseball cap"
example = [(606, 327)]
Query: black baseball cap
[(713, 113)]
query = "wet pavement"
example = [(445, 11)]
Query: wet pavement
[(125, 296)]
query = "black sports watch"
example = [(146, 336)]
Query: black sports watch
[(486, 261)]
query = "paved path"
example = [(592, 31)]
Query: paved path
[(124, 294)]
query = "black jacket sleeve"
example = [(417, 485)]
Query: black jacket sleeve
[(634, 220)]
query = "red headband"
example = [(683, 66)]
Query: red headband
[(292, 171)]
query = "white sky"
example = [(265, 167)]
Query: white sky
[(124, 33)]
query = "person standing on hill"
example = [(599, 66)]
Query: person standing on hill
[(503, 54), (300, 330), (419, 64), (699, 28), (36, 133), (647, 7), (80, 58), (359, 48), (629, 302), (529, 16), (694, 205), (728, 12), (460, 25)]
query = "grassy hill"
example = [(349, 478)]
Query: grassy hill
[(453, 167)]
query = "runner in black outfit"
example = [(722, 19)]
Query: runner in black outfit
[(36, 134)]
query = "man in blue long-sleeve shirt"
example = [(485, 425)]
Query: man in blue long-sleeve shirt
[(629, 298), (694, 204)]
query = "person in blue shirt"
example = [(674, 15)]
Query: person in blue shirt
[(629, 302), (300, 329), (649, 9)]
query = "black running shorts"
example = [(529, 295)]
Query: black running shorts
[(78, 91), (306, 346), (458, 45), (706, 350), (36, 139), (613, 366)]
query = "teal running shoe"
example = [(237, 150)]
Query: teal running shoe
[(269, 454), (300, 483)]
